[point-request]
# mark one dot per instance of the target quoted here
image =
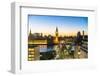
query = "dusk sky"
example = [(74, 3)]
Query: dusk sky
[(67, 25)]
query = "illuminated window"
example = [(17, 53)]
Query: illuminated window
[(30, 55), (30, 49), (29, 59)]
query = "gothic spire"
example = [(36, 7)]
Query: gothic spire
[(56, 29), (30, 32)]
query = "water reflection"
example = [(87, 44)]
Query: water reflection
[(47, 52), (53, 51)]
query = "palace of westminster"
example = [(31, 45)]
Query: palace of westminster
[(37, 39)]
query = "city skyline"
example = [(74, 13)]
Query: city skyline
[(67, 25)]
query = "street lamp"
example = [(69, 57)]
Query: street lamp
[(79, 53)]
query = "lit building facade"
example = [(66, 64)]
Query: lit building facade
[(34, 44)]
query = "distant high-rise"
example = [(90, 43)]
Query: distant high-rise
[(83, 34)]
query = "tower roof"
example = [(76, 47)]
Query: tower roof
[(56, 29)]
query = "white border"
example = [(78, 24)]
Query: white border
[(19, 17)]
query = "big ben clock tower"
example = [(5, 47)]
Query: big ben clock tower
[(56, 36)]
